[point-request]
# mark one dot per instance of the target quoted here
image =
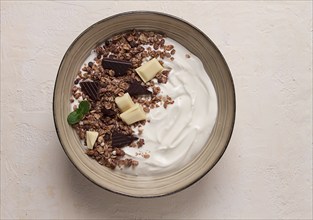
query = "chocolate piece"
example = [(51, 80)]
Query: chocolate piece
[(124, 102), (121, 140), (120, 67), (91, 137), (108, 112), (148, 70), (134, 114), (91, 89), (135, 88)]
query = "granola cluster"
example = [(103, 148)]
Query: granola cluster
[(136, 47)]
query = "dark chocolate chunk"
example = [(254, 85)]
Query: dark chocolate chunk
[(108, 112), (120, 67), (91, 89), (135, 88), (121, 140)]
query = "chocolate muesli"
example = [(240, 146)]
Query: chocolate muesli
[(139, 101), (111, 75)]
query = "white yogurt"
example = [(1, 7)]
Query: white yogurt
[(176, 135)]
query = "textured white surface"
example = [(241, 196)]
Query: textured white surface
[(266, 172)]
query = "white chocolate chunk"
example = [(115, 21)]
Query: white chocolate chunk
[(133, 114), (91, 137), (148, 70), (125, 102)]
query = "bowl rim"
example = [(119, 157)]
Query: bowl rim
[(207, 38)]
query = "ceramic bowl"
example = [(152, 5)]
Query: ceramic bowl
[(196, 42)]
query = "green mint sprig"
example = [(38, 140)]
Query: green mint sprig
[(77, 115)]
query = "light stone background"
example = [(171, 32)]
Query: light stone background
[(266, 172)]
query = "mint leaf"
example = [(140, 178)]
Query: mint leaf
[(84, 107), (74, 117), (77, 115)]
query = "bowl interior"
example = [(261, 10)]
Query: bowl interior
[(215, 66)]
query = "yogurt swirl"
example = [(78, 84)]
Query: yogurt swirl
[(176, 135)]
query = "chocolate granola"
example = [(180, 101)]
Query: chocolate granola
[(111, 75)]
